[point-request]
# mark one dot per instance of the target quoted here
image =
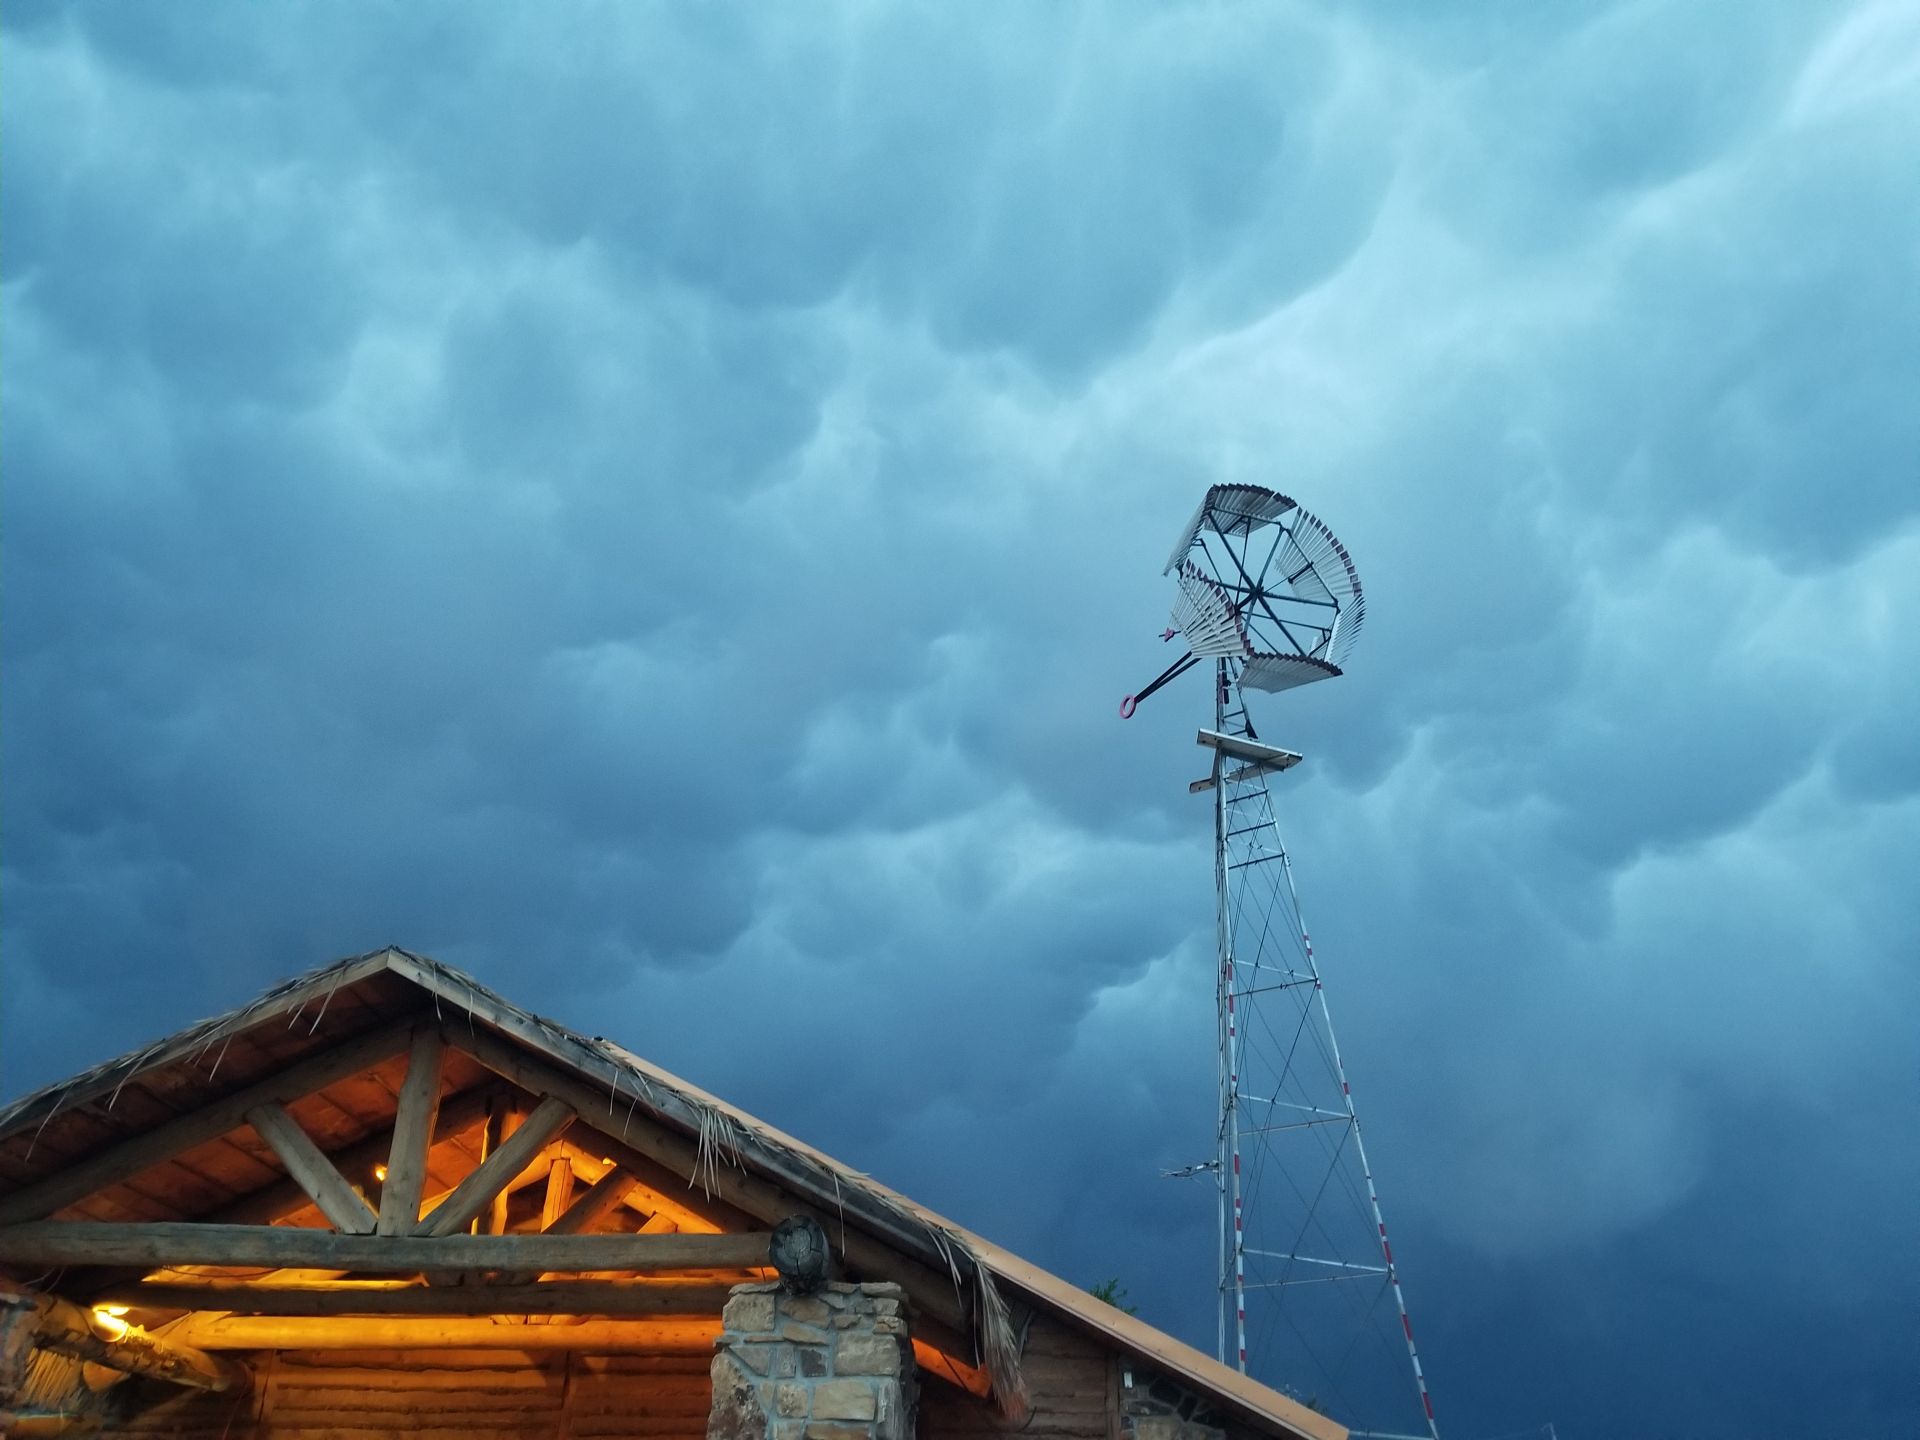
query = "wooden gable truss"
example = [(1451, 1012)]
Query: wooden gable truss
[(383, 1155)]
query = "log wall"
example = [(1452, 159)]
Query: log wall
[(443, 1395), (1070, 1379), (559, 1395)]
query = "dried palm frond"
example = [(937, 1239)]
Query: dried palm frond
[(720, 1140)]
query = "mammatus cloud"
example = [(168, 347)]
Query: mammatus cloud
[(660, 510)]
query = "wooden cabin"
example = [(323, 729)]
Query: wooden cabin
[(381, 1200)]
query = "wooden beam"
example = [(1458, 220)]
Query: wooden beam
[(502, 1120), (559, 1194), (68, 1330), (285, 1197), (600, 1200), (933, 1292), (654, 1187), (548, 1119), (243, 1332), (129, 1157), (603, 1197), (311, 1170), (560, 1297), (970, 1378), (412, 1132), (81, 1242), (282, 1198)]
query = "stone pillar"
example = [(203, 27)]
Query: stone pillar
[(837, 1365), (1152, 1407)]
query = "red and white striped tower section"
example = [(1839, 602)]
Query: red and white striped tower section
[(1360, 1148), (1233, 1228)]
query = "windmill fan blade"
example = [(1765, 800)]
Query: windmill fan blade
[(1285, 672), (1317, 565), (1208, 619), (1235, 509)]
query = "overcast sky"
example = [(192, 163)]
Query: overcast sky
[(657, 505)]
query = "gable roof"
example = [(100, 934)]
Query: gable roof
[(48, 1136)]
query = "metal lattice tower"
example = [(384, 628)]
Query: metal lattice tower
[(1309, 1293)]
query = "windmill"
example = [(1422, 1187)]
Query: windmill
[(1307, 1280)]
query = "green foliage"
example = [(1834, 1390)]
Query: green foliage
[(1115, 1294)]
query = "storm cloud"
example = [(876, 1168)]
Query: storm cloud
[(657, 506)]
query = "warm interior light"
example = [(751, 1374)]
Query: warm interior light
[(107, 1324), (606, 1160), (379, 1172)]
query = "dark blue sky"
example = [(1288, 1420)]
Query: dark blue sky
[(657, 505)]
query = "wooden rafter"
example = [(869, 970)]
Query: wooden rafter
[(116, 1163), (312, 1170), (933, 1293), (548, 1119), (654, 1189)]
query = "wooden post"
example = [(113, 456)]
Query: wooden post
[(502, 1116), (559, 1194), (412, 1132)]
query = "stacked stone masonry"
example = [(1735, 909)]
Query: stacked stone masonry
[(1152, 1407), (837, 1365)]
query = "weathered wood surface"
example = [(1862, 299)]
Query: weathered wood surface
[(66, 1329), (77, 1242), (473, 1194), (334, 1332), (932, 1291), (418, 1106), (559, 1193), (117, 1162), (560, 1297), (1068, 1383), (311, 1170)]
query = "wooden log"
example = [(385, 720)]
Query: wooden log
[(581, 1297), (269, 1203), (559, 1194), (933, 1292), (80, 1242), (607, 1193), (418, 1105), (66, 1329), (502, 1120), (653, 1189), (472, 1194), (285, 1197), (129, 1157), (244, 1332), (311, 1170), (600, 1200)]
